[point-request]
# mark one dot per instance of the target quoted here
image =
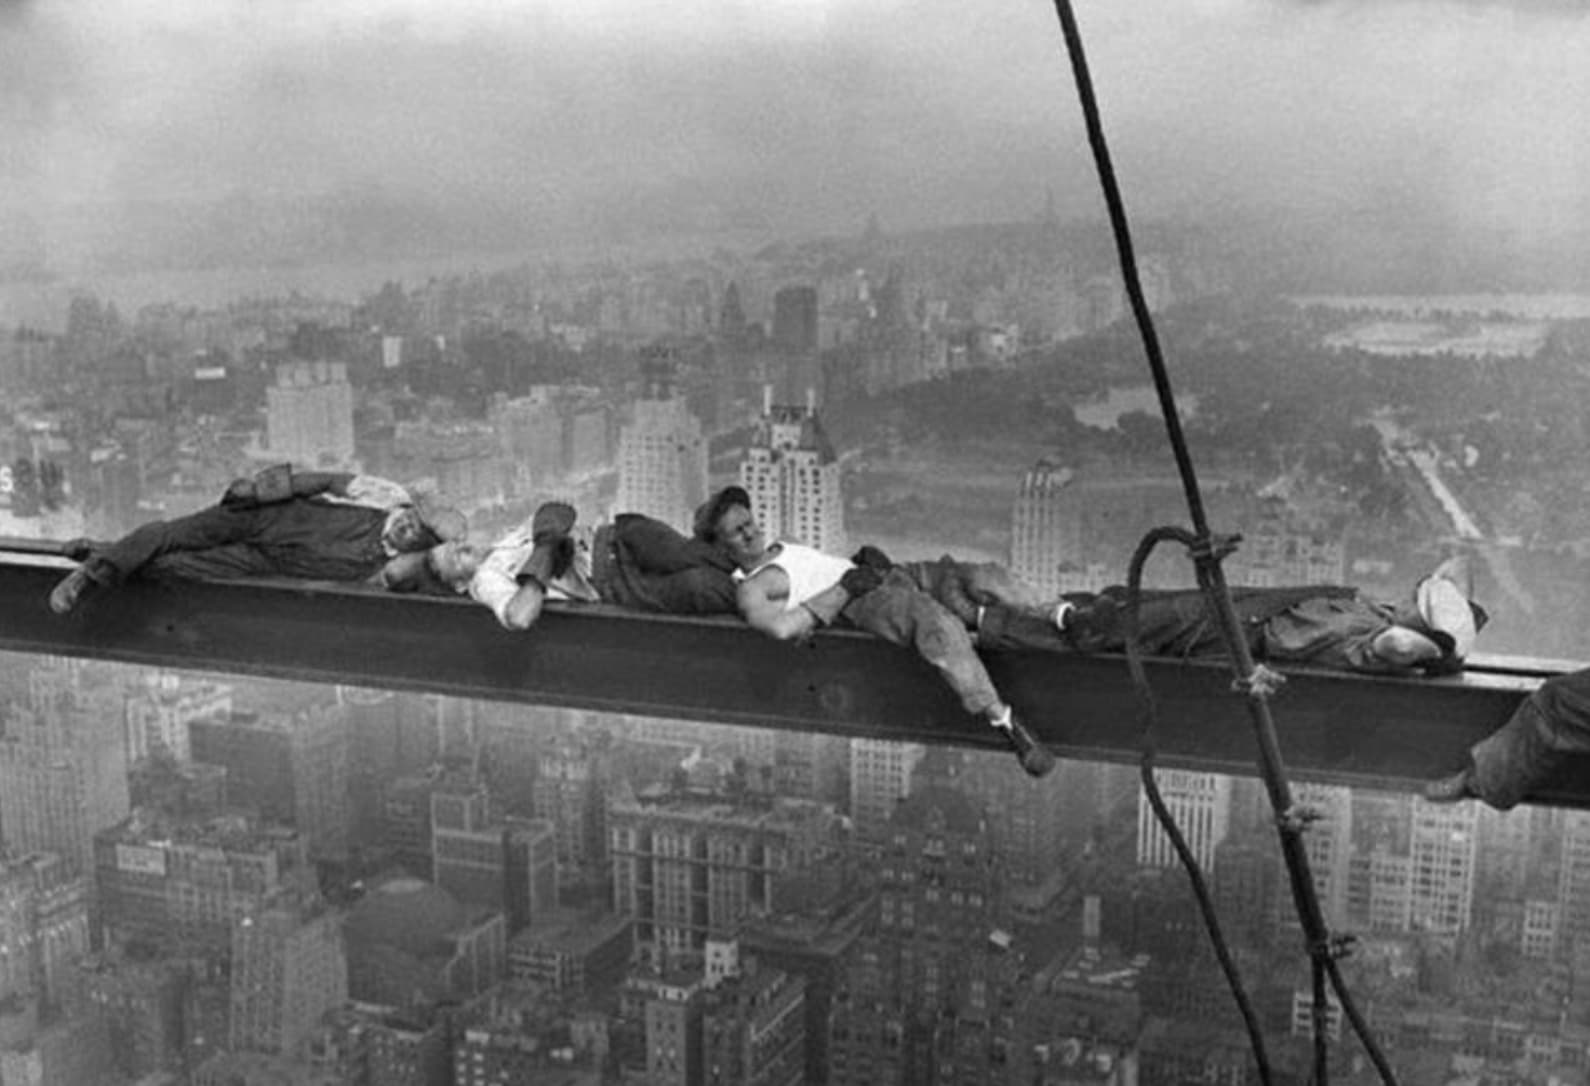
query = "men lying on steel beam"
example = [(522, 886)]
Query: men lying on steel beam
[(788, 590), (313, 525), (1546, 728), (636, 562), (1326, 626)]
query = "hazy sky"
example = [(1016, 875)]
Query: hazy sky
[(813, 111)]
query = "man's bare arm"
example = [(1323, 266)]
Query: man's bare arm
[(763, 600)]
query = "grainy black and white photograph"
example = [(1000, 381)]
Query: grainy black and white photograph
[(795, 543)]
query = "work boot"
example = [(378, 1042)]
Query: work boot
[(1091, 625), (79, 548), (1033, 755), (70, 591), (549, 529), (1453, 788)]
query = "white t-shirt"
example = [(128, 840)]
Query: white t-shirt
[(809, 570), (497, 580)]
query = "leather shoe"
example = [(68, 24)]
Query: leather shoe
[(1451, 789), (552, 521), (78, 548), (1033, 755), (70, 591)]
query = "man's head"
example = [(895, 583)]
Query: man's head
[(1436, 628), (725, 519), (419, 527), (454, 563), (442, 570)]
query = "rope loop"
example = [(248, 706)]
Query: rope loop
[(1213, 548), (1261, 682), (1298, 818), (1334, 948)]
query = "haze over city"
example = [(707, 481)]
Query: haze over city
[(1439, 127)]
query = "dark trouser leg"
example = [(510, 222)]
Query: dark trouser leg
[(900, 612), (206, 529), (1170, 623), (214, 564), (1551, 724), (688, 592), (651, 567), (967, 589), (651, 546), (1004, 629)]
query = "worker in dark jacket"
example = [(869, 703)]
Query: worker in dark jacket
[(1326, 626), (1546, 728), (279, 523)]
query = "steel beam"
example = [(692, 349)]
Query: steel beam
[(1333, 727)]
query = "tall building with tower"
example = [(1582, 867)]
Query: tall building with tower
[(662, 452), (1041, 533), (1072, 532), (63, 764), (309, 415), (792, 475)]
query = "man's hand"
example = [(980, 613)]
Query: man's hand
[(872, 558), (240, 495), (272, 484), (859, 581)]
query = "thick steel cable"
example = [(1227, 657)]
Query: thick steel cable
[(1148, 750), (1211, 578)]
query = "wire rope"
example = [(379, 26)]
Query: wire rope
[(1207, 553)]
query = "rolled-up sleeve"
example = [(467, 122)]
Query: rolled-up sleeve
[(496, 582), (377, 493)]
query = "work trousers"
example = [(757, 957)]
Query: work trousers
[(643, 563), (907, 610), (1550, 724), (1171, 622), (293, 538)]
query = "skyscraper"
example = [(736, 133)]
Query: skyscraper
[(288, 969), (1042, 535), (43, 926), (309, 415), (182, 884), (753, 1028), (63, 764), (158, 717), (291, 763), (792, 475), (1329, 844), (1201, 805), (509, 866), (688, 867), (662, 453), (880, 777), (917, 1000), (1443, 853), (1573, 895)]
